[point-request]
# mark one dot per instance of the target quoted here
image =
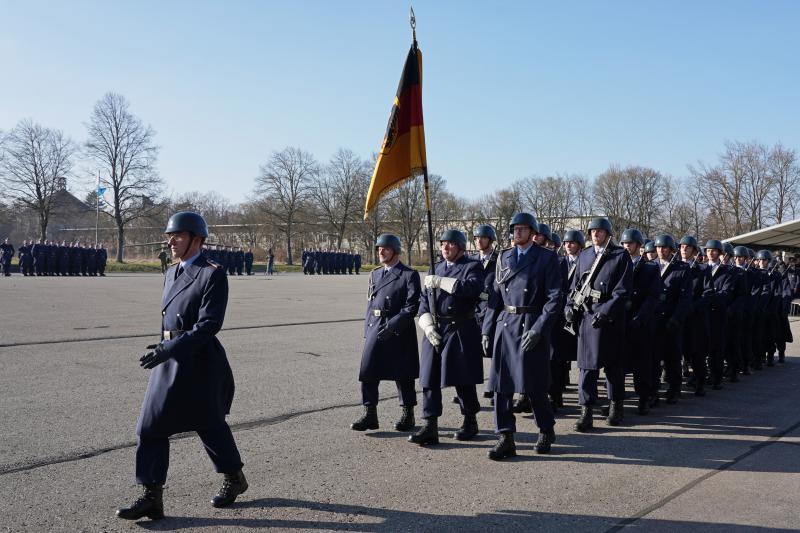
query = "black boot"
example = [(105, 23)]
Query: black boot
[(468, 429), (149, 504), (700, 390), (674, 393), (781, 357), (505, 447), (585, 422), (523, 405), (716, 383), (369, 420), (653, 401), (615, 413), (770, 359), (406, 421), (605, 409), (428, 434), (456, 400), (232, 486), (488, 394), (643, 406), (546, 439)]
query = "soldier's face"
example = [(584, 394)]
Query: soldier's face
[(713, 254), (687, 252), (540, 239), (521, 235), (483, 243), (450, 250), (385, 255), (651, 255), (663, 252), (572, 247), (599, 236), (740, 261), (763, 263), (180, 244), (632, 248)]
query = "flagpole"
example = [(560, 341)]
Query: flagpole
[(97, 204)]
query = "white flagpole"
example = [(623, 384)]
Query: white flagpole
[(97, 202)]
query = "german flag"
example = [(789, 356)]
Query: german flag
[(402, 154)]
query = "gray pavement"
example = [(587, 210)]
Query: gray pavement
[(70, 391)]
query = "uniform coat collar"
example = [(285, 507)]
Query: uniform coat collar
[(173, 287)]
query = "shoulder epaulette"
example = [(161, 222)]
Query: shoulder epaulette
[(214, 264)]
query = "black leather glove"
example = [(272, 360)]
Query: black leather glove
[(486, 345), (569, 314), (529, 340), (598, 320), (154, 358), (385, 333)]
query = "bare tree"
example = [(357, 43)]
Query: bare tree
[(286, 179), (406, 210), (124, 150), (34, 166), (785, 173), (337, 188)]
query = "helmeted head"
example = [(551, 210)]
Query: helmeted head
[(556, 240), (388, 246), (576, 236), (485, 230), (664, 241), (764, 255), (452, 244), (523, 228), (632, 235), (543, 234), (727, 249), (600, 230), (189, 221), (714, 244), (650, 247), (740, 251)]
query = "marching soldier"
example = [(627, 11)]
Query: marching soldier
[(357, 263), (649, 251), (718, 292), (390, 338), (191, 384), (741, 259), (640, 309), (162, 256), (25, 259), (565, 344), (603, 281), (523, 306), (670, 314), (6, 255), (248, 261), (735, 331), (484, 237), (451, 349), (695, 337)]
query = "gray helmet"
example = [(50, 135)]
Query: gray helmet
[(601, 223), (727, 248), (544, 229), (664, 241), (764, 254), (751, 253), (714, 244), (650, 247), (523, 219), (187, 221), (632, 235), (387, 240), (454, 236), (688, 240), (574, 235), (485, 230), (740, 251), (556, 240)]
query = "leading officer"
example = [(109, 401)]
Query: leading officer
[(191, 386)]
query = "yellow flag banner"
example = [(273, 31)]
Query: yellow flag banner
[(402, 155)]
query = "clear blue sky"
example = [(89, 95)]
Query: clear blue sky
[(510, 89)]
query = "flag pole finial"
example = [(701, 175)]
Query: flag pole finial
[(413, 21)]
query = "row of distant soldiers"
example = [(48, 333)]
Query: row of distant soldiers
[(330, 262), (48, 258), (235, 260), (656, 310)]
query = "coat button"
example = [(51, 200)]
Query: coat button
[(506, 289), (163, 313), (505, 324)]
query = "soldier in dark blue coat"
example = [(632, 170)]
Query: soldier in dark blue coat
[(248, 261), (191, 386), (695, 336), (102, 259), (734, 331), (523, 307), (484, 237), (25, 259), (357, 263), (673, 306), (565, 344), (741, 260), (640, 310), (390, 337), (718, 292), (600, 321), (6, 255), (451, 349)]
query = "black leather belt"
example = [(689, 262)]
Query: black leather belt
[(454, 319), (520, 309), (172, 334), (381, 312)]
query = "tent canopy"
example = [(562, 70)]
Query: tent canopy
[(784, 236)]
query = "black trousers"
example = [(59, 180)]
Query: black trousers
[(504, 420), (587, 384), (152, 455), (405, 390), (735, 334), (467, 399), (668, 349)]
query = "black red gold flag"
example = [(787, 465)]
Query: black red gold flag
[(402, 155)]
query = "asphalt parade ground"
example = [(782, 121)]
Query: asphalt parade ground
[(71, 387)]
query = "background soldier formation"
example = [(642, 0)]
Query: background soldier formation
[(694, 316), (48, 258), (330, 262)]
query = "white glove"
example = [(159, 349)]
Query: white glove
[(426, 324), (440, 282)]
